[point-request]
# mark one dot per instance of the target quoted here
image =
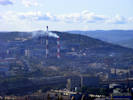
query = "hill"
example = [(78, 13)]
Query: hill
[(126, 43), (85, 41), (110, 35), (5, 36), (91, 43)]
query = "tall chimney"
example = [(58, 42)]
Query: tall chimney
[(47, 49), (58, 48)]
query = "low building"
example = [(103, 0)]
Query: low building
[(14, 50), (121, 96), (37, 96), (82, 81), (90, 81), (34, 52), (73, 82), (43, 80), (114, 86), (29, 53)]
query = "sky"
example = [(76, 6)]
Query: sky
[(66, 15)]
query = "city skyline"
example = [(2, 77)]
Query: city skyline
[(59, 15)]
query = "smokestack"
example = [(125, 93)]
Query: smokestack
[(47, 49), (58, 48)]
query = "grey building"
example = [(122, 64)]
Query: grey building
[(73, 82), (90, 81), (82, 81)]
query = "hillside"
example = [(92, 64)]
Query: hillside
[(85, 41), (88, 42), (126, 43), (5, 36), (91, 53)]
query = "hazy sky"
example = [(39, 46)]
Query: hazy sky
[(64, 15)]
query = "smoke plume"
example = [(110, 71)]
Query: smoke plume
[(53, 34), (43, 33)]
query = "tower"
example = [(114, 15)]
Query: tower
[(58, 48), (47, 49)]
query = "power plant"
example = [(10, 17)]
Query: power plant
[(47, 46)]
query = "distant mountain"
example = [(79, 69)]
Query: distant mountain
[(110, 36), (126, 43)]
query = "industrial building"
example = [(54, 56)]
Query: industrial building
[(73, 82), (44, 80), (81, 82), (34, 52), (90, 81), (29, 52)]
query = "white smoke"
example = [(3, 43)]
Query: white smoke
[(53, 34), (43, 33)]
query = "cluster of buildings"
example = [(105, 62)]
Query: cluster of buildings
[(12, 63), (76, 82), (73, 82), (13, 66), (48, 80)]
